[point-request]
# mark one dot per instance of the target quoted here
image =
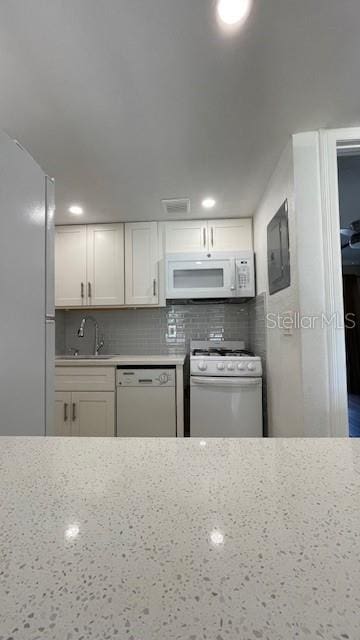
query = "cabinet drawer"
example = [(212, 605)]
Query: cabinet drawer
[(84, 378)]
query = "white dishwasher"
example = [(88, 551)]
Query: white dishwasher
[(146, 402)]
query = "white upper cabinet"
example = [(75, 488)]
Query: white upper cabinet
[(89, 265), (189, 236), (141, 263), (70, 266), (193, 236), (105, 264), (230, 235)]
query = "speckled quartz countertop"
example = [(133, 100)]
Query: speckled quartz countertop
[(179, 539), (113, 361)]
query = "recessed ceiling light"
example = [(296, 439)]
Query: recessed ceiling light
[(232, 12), (208, 203), (76, 210)]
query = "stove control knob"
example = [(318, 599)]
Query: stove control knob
[(231, 366), (220, 366), (202, 365), (241, 366), (251, 366)]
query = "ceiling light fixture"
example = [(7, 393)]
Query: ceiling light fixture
[(208, 203), (232, 12), (76, 210)]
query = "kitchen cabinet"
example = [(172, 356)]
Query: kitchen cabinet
[(192, 236), (89, 265), (70, 266), (94, 413), (90, 414), (105, 265), (85, 401), (84, 378), (62, 414), (234, 234), (141, 263), (186, 236)]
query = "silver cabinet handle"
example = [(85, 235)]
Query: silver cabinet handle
[(204, 237), (89, 289), (73, 412), (65, 411), (154, 287), (212, 236), (82, 290)]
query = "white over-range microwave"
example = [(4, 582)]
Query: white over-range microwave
[(215, 275)]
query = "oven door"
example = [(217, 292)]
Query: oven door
[(226, 407), (200, 278)]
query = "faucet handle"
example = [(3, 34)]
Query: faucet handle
[(100, 344)]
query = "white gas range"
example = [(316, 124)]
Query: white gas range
[(225, 391)]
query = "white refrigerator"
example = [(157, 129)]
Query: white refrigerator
[(27, 313)]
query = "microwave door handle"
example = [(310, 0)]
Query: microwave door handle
[(233, 284)]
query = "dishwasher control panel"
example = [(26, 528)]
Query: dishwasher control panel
[(148, 377)]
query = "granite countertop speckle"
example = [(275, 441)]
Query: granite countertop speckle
[(179, 539)]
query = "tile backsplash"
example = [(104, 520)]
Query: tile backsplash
[(157, 331)]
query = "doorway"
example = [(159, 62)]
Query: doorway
[(348, 160)]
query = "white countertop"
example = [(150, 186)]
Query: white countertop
[(161, 360), (179, 540)]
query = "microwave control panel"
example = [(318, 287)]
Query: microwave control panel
[(245, 277)]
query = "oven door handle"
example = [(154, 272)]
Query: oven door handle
[(226, 382)]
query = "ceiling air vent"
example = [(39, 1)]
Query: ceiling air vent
[(176, 206)]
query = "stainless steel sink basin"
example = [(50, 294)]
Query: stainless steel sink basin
[(84, 357)]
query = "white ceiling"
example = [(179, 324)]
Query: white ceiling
[(126, 102)]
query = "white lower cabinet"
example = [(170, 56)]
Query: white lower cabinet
[(62, 413), (94, 413), (85, 401), (85, 413)]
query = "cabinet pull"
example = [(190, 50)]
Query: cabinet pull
[(82, 290), (212, 236), (204, 237), (89, 289), (65, 411), (73, 411), (154, 287)]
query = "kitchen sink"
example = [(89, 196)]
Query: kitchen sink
[(84, 357)]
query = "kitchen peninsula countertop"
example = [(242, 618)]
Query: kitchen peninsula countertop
[(113, 361), (179, 539)]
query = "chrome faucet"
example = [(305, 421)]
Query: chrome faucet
[(97, 344)]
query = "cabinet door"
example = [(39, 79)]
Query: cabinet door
[(70, 266), (230, 235), (62, 414), (186, 236), (93, 413), (141, 263), (105, 264)]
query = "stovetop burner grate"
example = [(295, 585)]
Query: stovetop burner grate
[(225, 353)]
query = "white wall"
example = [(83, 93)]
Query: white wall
[(296, 361), (284, 392)]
